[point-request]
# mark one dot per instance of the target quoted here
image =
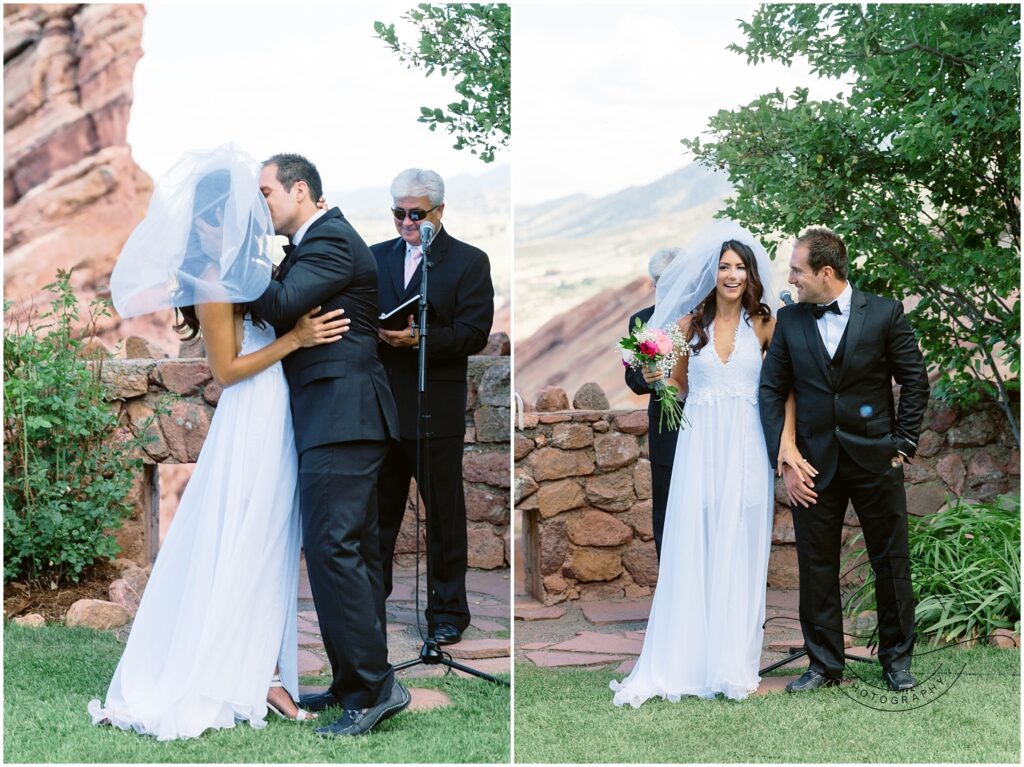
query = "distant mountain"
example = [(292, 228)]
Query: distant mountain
[(581, 215)]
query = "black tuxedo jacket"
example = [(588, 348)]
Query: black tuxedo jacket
[(661, 444), (339, 392), (852, 404), (460, 291)]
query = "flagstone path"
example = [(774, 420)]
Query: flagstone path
[(485, 645), (609, 634)]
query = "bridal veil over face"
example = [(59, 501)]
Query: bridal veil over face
[(207, 236), (692, 274)]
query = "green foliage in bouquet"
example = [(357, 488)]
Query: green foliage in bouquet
[(916, 164), (66, 477), (473, 43), (965, 564)]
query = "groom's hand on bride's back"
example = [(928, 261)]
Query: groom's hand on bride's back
[(798, 487), (313, 329)]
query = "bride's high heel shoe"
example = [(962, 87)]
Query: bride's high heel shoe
[(301, 716)]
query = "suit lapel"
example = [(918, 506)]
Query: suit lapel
[(395, 265), (854, 327), (813, 338)]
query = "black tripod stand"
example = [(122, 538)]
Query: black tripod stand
[(430, 653)]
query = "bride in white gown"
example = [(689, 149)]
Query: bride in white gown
[(214, 638), (706, 624)]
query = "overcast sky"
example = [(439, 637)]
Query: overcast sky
[(274, 78), (603, 93)]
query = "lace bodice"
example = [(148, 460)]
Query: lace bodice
[(254, 337), (712, 379)]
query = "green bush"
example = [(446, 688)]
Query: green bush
[(965, 565), (66, 476)]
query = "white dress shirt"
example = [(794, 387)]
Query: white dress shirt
[(297, 237), (831, 326)]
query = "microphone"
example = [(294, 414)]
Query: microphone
[(786, 297), (426, 234)]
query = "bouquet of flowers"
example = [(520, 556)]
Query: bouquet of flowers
[(654, 349)]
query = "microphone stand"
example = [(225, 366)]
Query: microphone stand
[(430, 653)]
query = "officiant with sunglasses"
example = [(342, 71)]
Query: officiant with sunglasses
[(461, 301)]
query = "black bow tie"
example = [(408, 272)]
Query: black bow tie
[(288, 249), (820, 310)]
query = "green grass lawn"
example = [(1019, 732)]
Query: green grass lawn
[(50, 674), (568, 716)]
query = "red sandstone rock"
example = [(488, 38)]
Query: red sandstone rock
[(615, 450), (555, 584), (483, 505), (600, 427), (940, 416), (925, 498), (782, 528), (586, 564), (485, 549), (635, 422), (639, 517), (143, 420), (603, 613), (975, 430), (641, 560), (597, 642), (951, 470), (642, 478), (611, 492), (185, 428), (551, 399), (919, 470), (137, 348), (572, 436), (212, 392), (1004, 638), (559, 496), (472, 649), (930, 443), (983, 468), (783, 570), (492, 423), (590, 396), (523, 487), (489, 467), (553, 545), (597, 528), (124, 380), (538, 612), (551, 463), (32, 620), (521, 446), (96, 614), (548, 659), (128, 589), (184, 377), (553, 418)]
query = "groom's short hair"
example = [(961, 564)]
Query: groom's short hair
[(824, 248), (295, 167)]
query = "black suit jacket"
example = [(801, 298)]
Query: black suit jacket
[(856, 411), (460, 292), (661, 444), (339, 392)]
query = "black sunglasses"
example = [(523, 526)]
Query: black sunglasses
[(415, 214)]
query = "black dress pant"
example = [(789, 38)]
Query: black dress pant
[(660, 476), (337, 485), (881, 505), (446, 512)]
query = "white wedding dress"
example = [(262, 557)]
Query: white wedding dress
[(219, 611), (706, 624)]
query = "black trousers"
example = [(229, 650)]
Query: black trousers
[(660, 476), (337, 485), (881, 505), (446, 510)]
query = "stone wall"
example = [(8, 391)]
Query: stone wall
[(173, 401), (583, 485)]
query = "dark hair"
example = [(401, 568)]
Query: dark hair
[(753, 295), (825, 248), (295, 167), (210, 196)]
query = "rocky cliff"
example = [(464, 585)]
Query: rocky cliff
[(72, 192)]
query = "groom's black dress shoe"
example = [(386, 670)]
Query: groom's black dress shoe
[(900, 680), (811, 680), (319, 701), (359, 722), (446, 633)]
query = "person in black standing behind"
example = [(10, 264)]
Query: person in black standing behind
[(343, 415), (839, 351), (461, 298), (661, 443)]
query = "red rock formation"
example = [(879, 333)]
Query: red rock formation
[(579, 346), (72, 193)]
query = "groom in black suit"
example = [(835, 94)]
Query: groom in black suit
[(839, 350), (461, 298), (343, 415)]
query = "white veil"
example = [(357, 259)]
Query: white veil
[(692, 274), (171, 259)]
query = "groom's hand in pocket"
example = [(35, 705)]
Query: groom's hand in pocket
[(798, 487)]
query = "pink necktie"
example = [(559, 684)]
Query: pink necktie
[(412, 260)]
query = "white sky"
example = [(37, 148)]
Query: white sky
[(311, 79), (603, 93)]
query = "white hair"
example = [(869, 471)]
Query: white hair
[(417, 182), (659, 262)]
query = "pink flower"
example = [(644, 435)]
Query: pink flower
[(649, 349), (663, 341)]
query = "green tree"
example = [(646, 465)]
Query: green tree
[(473, 43), (917, 166)]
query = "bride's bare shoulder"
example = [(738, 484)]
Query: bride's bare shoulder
[(684, 323)]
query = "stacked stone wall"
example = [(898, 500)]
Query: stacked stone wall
[(583, 485)]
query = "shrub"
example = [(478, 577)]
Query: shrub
[(66, 476), (965, 564)]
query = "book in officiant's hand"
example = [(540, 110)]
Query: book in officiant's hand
[(398, 318)]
